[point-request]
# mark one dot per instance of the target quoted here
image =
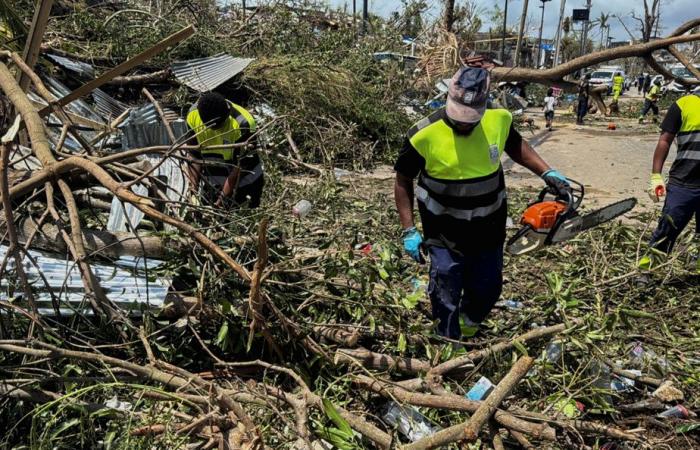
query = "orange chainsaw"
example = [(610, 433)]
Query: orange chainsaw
[(547, 222)]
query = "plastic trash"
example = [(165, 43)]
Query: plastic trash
[(642, 357), (302, 208), (409, 421), (511, 304), (115, 403), (339, 173), (678, 411), (623, 384), (480, 390), (554, 351)]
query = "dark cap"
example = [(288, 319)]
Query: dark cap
[(467, 94)]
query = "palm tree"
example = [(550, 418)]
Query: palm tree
[(602, 23)]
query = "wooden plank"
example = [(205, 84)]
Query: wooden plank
[(30, 54), (123, 67)]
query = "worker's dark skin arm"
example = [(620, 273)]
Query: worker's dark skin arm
[(661, 152), (403, 195), (527, 157)]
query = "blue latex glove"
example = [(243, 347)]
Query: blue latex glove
[(558, 184), (411, 243)]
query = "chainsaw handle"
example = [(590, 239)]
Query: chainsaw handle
[(573, 199)]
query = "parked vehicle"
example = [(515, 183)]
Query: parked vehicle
[(604, 76), (681, 71)]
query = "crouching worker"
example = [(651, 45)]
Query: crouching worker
[(456, 155), (230, 175), (682, 123)]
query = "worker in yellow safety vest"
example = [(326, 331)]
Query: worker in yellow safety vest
[(618, 83), (650, 100), (228, 173), (682, 123), (456, 154)]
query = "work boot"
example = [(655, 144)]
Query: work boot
[(641, 119)]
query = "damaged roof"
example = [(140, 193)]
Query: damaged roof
[(206, 74)]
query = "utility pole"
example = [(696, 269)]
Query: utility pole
[(559, 32), (503, 37), (584, 30), (354, 17), (539, 44), (518, 46), (365, 17)]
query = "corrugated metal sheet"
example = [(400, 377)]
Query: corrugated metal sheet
[(124, 283), (106, 105), (125, 216), (206, 74), (81, 68)]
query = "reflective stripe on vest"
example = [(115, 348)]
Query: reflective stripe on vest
[(462, 177), (233, 130), (438, 209), (688, 137)]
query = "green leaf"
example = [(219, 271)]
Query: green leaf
[(333, 414), (410, 301), (687, 427), (520, 347), (222, 338), (401, 346), (637, 313), (64, 426)]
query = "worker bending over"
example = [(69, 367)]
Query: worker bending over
[(682, 122), (456, 155), (229, 173)]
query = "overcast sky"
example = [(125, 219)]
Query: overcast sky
[(673, 13)]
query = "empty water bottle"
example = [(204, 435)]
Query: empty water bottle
[(302, 208), (678, 411), (409, 421)]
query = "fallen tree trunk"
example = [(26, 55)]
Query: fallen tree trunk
[(557, 74)]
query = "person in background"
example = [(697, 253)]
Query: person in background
[(650, 100), (682, 123), (229, 173), (640, 83), (583, 96), (647, 84), (618, 84), (456, 155), (550, 102)]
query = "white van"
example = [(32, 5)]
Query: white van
[(604, 75)]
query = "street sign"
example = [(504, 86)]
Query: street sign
[(580, 15)]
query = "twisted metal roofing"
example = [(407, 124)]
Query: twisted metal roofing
[(206, 74)]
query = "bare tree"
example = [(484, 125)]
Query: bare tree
[(650, 19), (448, 16)]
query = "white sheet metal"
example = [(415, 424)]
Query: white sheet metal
[(206, 74), (125, 283)]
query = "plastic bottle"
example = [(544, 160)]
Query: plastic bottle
[(409, 421), (302, 208), (678, 411), (513, 304)]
